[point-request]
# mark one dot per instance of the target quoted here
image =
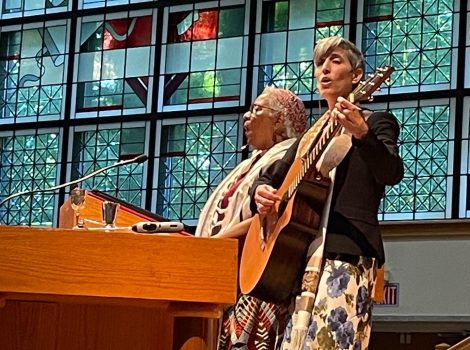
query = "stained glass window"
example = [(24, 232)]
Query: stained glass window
[(211, 59), (21, 8), (194, 158), (114, 64), (416, 37), (426, 147), (29, 161), (99, 147), (32, 72), (285, 39), (204, 58)]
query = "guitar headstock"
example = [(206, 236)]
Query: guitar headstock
[(366, 88)]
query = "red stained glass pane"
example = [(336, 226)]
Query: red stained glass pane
[(127, 32), (190, 26)]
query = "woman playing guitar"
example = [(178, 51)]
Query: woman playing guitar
[(332, 309)]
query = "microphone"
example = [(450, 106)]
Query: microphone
[(153, 227), (139, 159)]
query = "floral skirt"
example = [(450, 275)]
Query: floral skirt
[(342, 309)]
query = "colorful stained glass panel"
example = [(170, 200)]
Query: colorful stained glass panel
[(32, 73), (114, 66), (203, 47)]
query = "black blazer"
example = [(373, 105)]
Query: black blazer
[(370, 164)]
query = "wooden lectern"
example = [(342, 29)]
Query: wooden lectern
[(70, 289)]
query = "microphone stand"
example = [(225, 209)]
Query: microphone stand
[(139, 159)]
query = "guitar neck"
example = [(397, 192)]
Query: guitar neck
[(318, 146), (329, 129)]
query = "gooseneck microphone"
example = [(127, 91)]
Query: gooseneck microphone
[(139, 159)]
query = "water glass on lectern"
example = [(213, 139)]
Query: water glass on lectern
[(109, 211)]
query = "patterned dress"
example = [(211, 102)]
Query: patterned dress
[(252, 324)]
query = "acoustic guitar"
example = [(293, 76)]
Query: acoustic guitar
[(276, 244)]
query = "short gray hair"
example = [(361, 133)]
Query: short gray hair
[(326, 45)]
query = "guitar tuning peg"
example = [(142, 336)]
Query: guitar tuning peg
[(388, 81), (370, 98)]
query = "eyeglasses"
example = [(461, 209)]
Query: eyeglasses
[(255, 108)]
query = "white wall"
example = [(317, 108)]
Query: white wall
[(433, 276)]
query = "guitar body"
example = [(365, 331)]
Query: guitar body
[(276, 244)]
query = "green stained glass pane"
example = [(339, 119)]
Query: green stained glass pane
[(228, 83), (97, 149), (424, 148), (275, 16), (416, 39), (203, 85), (195, 158), (132, 141), (378, 8), (231, 22), (330, 11), (28, 162), (324, 32)]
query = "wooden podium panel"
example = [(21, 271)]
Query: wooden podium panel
[(66, 289)]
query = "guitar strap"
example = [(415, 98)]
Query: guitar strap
[(304, 302)]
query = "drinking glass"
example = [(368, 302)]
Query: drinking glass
[(77, 200), (109, 212)]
